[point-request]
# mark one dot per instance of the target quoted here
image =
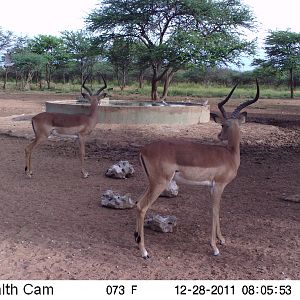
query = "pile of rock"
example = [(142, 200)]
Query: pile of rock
[(171, 191), (121, 170), (160, 223), (114, 200)]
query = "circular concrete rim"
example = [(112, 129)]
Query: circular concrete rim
[(111, 113)]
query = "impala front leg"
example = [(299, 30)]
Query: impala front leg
[(216, 193), (150, 195), (28, 170), (142, 208), (82, 155), (139, 233)]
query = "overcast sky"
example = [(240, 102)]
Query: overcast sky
[(34, 17), (275, 15)]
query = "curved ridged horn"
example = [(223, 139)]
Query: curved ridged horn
[(247, 103), (85, 87), (102, 88), (220, 105)]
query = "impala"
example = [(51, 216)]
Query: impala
[(193, 163), (76, 125)]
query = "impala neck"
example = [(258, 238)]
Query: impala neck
[(93, 107), (234, 144)]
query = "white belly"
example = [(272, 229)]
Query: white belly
[(65, 132), (195, 176)]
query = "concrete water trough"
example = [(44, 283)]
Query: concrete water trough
[(137, 112)]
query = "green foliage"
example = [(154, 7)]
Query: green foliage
[(28, 61), (6, 38), (26, 64), (283, 54), (152, 41), (81, 48), (45, 44), (190, 91), (176, 32), (283, 49), (79, 44), (121, 62), (52, 49)]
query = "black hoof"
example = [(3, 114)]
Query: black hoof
[(146, 257)]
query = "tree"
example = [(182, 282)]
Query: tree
[(283, 52), (26, 64), (52, 48), (141, 61), (122, 62), (6, 38), (9, 43), (80, 46), (175, 33)]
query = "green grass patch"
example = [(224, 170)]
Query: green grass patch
[(211, 91), (175, 90)]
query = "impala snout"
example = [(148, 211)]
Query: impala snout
[(223, 136)]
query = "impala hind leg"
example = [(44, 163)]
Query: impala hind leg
[(85, 174), (149, 197), (216, 194), (28, 152)]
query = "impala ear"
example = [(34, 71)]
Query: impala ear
[(86, 96), (216, 118), (242, 117), (104, 95)]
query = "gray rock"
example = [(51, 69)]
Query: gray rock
[(160, 223), (292, 198), (114, 200), (171, 191), (121, 170)]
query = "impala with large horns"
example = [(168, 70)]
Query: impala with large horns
[(76, 125), (193, 163)]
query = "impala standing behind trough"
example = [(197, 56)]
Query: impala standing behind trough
[(78, 125), (193, 163)]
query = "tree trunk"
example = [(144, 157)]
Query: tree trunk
[(81, 75), (40, 80), (141, 79), (167, 75), (154, 84), (16, 79), (28, 81), (118, 76), (123, 78), (5, 78), (292, 83), (168, 78), (48, 76), (154, 92)]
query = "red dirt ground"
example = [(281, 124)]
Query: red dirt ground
[(52, 226)]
